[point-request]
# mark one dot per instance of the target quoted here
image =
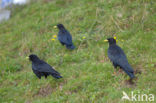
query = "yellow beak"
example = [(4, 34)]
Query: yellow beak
[(27, 57), (106, 40), (55, 27)]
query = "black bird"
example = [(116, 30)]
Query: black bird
[(41, 68), (118, 57), (65, 37)]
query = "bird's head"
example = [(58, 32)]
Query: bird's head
[(59, 26), (111, 40), (32, 57)]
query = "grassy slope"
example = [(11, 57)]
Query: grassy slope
[(88, 74)]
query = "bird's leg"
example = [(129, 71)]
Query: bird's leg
[(39, 80), (45, 76), (39, 76), (120, 69), (115, 66)]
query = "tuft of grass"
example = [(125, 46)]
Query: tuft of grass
[(87, 72)]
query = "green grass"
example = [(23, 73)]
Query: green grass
[(87, 71)]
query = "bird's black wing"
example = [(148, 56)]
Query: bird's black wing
[(65, 37), (117, 56), (43, 67)]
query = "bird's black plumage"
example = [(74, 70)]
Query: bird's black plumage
[(65, 37), (118, 57), (41, 68)]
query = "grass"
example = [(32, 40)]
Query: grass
[(87, 71)]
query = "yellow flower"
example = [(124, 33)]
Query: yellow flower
[(106, 40), (53, 39), (84, 37), (27, 57), (54, 36), (115, 37), (55, 27)]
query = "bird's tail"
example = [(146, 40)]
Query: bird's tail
[(129, 70), (70, 47), (131, 74), (57, 76)]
